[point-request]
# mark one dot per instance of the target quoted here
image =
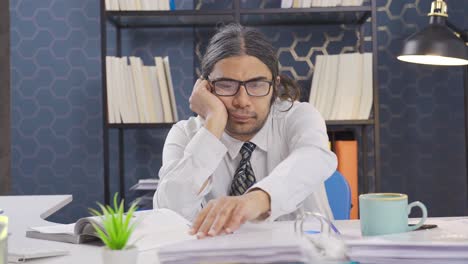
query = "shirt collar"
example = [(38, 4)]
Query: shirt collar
[(260, 140), (233, 145)]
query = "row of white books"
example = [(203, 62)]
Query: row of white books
[(139, 5), (319, 3), (342, 86), (138, 93)]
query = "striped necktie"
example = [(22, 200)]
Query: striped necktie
[(244, 177)]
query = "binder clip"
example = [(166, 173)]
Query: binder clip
[(327, 245)]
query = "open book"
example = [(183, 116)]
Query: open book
[(154, 228), (80, 232)]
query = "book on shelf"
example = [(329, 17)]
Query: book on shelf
[(150, 95), (140, 94), (319, 3), (110, 88), (112, 5), (341, 87), (365, 106), (154, 228), (167, 71), (286, 3), (156, 92), (164, 87), (137, 71), (297, 3), (121, 113), (348, 82), (139, 5), (130, 97), (123, 108), (306, 3), (123, 5)]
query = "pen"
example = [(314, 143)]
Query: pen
[(311, 232), (333, 227)]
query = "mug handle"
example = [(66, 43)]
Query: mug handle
[(424, 214)]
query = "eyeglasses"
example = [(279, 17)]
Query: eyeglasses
[(228, 87)]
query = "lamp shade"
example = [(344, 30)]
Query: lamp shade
[(435, 45)]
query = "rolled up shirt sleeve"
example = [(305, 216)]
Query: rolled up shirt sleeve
[(309, 163), (188, 162)]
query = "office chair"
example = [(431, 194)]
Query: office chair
[(339, 196)]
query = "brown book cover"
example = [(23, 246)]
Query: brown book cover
[(346, 152)]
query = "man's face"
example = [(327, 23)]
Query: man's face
[(246, 114)]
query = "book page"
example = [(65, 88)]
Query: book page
[(55, 229), (84, 227), (154, 228), (159, 227)]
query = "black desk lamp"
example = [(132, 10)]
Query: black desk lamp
[(440, 43)]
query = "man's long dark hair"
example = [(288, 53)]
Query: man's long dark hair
[(236, 40)]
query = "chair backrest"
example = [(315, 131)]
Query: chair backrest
[(339, 195)]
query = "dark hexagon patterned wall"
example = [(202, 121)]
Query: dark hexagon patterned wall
[(56, 100), (57, 119), (422, 114), (57, 103)]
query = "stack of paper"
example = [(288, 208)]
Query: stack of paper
[(248, 246), (448, 243)]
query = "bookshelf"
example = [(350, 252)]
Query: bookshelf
[(316, 16), (251, 17)]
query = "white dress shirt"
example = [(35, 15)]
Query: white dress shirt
[(291, 162)]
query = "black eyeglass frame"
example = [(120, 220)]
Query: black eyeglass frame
[(239, 84)]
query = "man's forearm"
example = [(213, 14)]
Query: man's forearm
[(262, 199), (186, 169)]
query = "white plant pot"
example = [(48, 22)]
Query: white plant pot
[(125, 256)]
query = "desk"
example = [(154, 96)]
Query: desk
[(26, 211)]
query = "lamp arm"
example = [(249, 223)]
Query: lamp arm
[(463, 34)]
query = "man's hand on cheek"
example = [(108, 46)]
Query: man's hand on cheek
[(207, 105), (227, 214)]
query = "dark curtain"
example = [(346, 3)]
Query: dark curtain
[(4, 97)]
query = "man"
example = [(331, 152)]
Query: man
[(253, 152)]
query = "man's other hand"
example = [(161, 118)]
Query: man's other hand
[(227, 214)]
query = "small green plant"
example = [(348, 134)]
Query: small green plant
[(116, 224)]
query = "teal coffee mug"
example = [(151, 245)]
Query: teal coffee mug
[(387, 213)]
